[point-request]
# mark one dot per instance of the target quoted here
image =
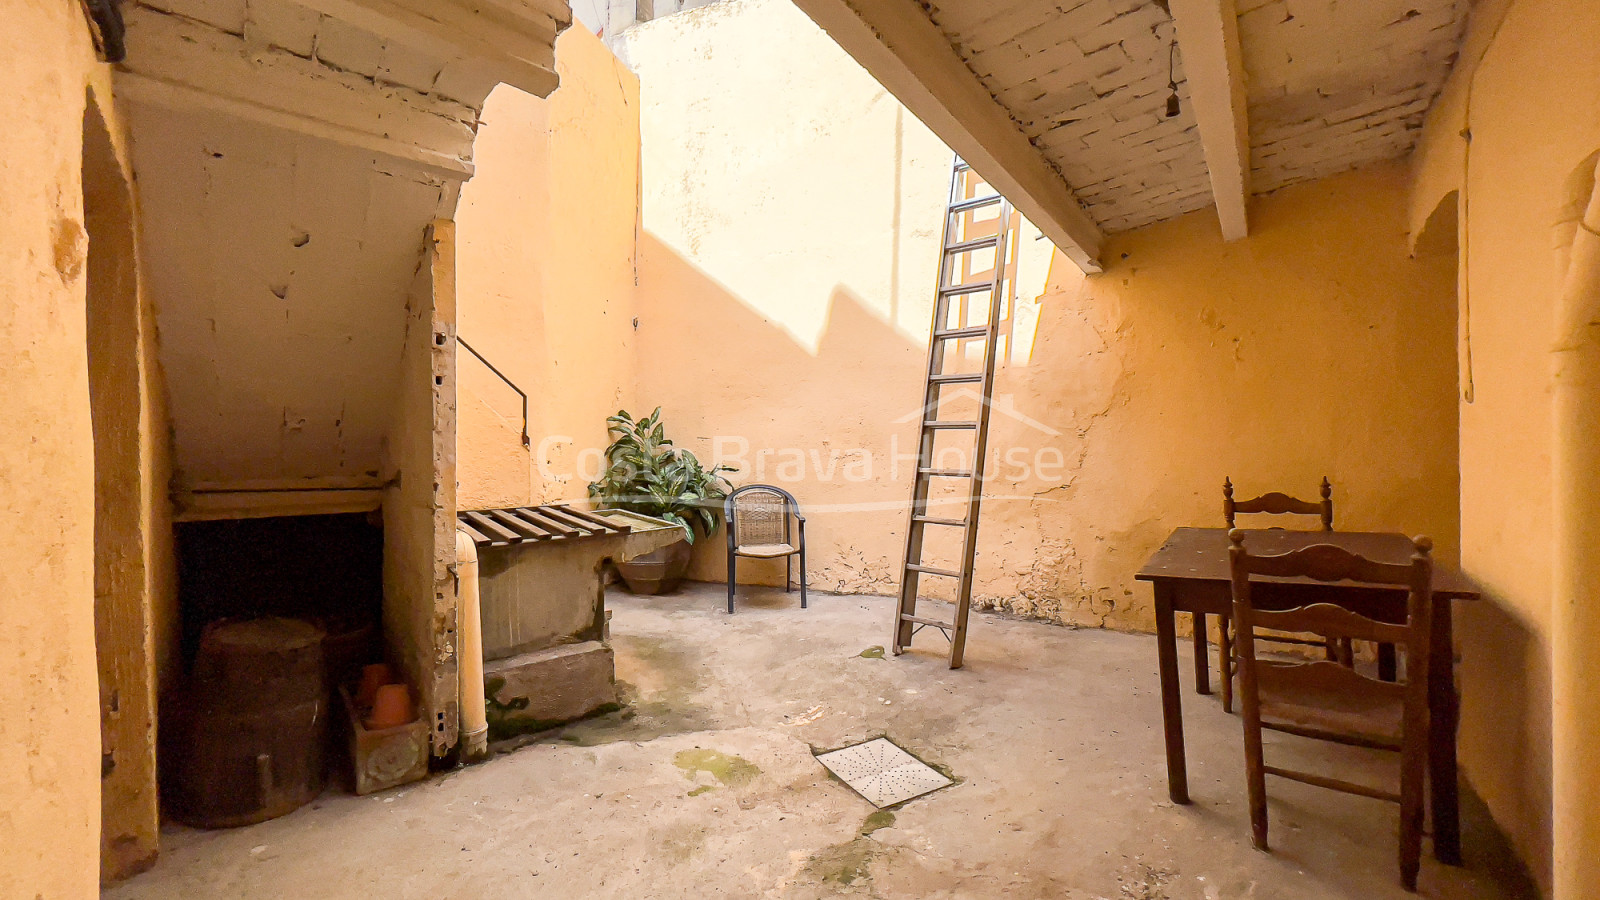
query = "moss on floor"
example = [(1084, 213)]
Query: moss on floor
[(883, 818), (732, 771)]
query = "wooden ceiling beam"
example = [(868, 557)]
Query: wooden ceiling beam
[(896, 42), (1208, 36)]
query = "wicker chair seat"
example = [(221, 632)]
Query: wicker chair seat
[(766, 551)]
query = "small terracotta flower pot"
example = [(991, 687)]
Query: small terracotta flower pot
[(390, 707), (372, 677)]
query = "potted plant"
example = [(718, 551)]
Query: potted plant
[(646, 474)]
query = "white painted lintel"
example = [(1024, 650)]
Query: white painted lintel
[(175, 95)]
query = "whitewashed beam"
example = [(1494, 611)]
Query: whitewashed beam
[(179, 63), (896, 42), (135, 88), (515, 40), (1208, 36)]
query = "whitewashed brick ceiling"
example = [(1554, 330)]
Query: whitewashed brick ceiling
[(1331, 84), (1334, 84)]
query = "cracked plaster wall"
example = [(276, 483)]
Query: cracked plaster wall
[(790, 241)]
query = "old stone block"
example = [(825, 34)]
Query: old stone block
[(536, 690)]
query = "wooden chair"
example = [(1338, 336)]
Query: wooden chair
[(1271, 503), (1275, 503), (764, 522), (1325, 700)]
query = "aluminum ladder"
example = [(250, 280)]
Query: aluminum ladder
[(967, 213)]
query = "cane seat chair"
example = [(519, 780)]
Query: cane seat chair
[(765, 522), (1276, 504), (1324, 700)]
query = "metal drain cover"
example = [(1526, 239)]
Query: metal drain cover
[(882, 772)]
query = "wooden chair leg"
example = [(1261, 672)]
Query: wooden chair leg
[(1225, 663), (788, 574), (1412, 773), (1255, 775), (802, 575), (732, 569)]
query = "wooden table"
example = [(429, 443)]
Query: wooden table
[(1190, 574)]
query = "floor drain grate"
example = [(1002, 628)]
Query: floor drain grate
[(882, 772)]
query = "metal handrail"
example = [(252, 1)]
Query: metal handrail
[(526, 441)]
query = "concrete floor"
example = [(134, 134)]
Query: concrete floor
[(706, 786)]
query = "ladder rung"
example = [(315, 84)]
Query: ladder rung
[(956, 378), (975, 203), (948, 423), (977, 287), (935, 520), (962, 165), (971, 331), (974, 244), (930, 570), (946, 473), (923, 620)]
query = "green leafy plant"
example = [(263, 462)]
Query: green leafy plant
[(646, 474)]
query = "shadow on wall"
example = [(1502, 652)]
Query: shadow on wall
[(736, 387), (1317, 346), (1505, 719), (839, 428)]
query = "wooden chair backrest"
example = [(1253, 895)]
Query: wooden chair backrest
[(1276, 503), (1326, 562)]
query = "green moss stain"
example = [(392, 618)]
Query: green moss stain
[(507, 720), (883, 818), (702, 789), (731, 770), (872, 653), (843, 864)]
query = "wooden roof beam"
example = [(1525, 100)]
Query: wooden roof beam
[(1208, 35), (902, 48)]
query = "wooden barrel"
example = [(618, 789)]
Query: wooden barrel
[(251, 727)]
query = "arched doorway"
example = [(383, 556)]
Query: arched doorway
[(123, 524)]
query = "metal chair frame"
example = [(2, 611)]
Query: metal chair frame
[(794, 526)]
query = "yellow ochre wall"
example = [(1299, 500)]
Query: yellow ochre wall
[(1528, 89), (791, 220), (51, 745), (545, 281)]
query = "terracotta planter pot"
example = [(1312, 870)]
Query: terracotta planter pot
[(390, 708), (657, 572), (373, 676)]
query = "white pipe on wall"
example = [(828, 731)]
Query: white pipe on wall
[(469, 655)]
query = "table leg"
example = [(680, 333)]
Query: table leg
[(1171, 704), (1444, 718), (1202, 662)]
